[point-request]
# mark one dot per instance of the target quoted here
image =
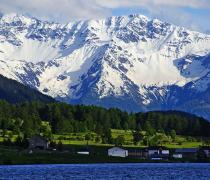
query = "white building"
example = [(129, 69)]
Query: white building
[(165, 152), (177, 156), (117, 152), (83, 152), (158, 152)]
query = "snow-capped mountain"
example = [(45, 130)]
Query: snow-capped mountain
[(130, 62)]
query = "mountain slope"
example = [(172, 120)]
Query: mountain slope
[(15, 92), (130, 62)]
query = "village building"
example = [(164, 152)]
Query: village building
[(141, 153), (205, 150), (83, 152), (158, 152), (117, 152), (38, 142), (189, 153), (177, 156)]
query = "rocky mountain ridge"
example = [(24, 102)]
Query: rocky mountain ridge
[(130, 62)]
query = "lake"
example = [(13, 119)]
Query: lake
[(107, 171)]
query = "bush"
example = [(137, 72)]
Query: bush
[(60, 146), (120, 140), (97, 139)]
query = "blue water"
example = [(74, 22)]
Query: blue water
[(107, 171)]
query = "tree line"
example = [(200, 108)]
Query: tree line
[(27, 119)]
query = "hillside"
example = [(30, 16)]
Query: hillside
[(14, 92), (130, 62)]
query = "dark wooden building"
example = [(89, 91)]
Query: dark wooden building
[(205, 150), (38, 142), (141, 153)]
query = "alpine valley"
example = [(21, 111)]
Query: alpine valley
[(130, 62)]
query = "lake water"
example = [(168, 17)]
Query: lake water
[(107, 171)]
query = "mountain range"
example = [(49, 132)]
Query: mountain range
[(131, 62)]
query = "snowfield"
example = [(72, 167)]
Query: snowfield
[(130, 62)]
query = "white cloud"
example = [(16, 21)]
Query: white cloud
[(55, 9), (176, 16), (148, 3)]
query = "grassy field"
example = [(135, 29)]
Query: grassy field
[(76, 139), (79, 139), (184, 145), (180, 141)]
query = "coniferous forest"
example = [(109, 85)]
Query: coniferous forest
[(27, 118), (15, 92)]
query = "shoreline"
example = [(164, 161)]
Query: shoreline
[(67, 158), (44, 164)]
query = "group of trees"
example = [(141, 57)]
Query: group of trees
[(27, 118), (157, 138)]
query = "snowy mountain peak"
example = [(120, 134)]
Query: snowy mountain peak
[(131, 62), (13, 18)]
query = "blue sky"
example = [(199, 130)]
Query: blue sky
[(193, 14)]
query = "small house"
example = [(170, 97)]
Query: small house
[(190, 153), (158, 152), (177, 156), (117, 152), (38, 142)]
